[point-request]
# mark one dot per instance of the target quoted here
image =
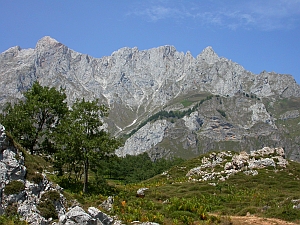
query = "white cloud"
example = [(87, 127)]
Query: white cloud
[(255, 14), (158, 12)]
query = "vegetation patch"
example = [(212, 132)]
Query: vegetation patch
[(11, 210), (14, 187), (47, 204), (11, 220), (222, 112), (171, 114)]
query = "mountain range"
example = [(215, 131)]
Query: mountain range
[(164, 102)]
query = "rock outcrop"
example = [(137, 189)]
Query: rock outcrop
[(232, 163), (25, 197), (290, 115)]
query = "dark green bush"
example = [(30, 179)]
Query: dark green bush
[(14, 187), (35, 177), (51, 195), (46, 205), (47, 209)]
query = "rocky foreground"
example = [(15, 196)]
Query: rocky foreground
[(26, 201)]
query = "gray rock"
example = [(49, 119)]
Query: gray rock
[(141, 192), (193, 121), (108, 203), (261, 163), (290, 115), (28, 211), (136, 84), (3, 140), (296, 203), (144, 138), (77, 216), (242, 162), (12, 168), (101, 217), (132, 80)]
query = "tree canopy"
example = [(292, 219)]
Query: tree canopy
[(82, 140), (32, 120)]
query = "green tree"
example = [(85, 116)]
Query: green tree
[(33, 120), (82, 140)]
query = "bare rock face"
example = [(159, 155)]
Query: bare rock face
[(77, 216), (135, 84), (137, 81), (145, 138), (193, 121)]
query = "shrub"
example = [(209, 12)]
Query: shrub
[(46, 205), (11, 210), (47, 209), (51, 195), (35, 177), (181, 214), (14, 187)]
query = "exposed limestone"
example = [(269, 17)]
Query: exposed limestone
[(290, 115), (141, 192), (233, 163), (193, 121), (137, 83), (260, 114), (77, 216), (130, 78), (12, 168), (145, 138), (144, 223), (100, 216), (108, 203), (208, 55)]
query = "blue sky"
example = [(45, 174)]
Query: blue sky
[(258, 34)]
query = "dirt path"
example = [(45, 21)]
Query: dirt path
[(250, 220)]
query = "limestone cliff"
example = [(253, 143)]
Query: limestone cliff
[(132, 82), (136, 84)]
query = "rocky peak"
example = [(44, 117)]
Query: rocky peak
[(208, 55), (138, 83), (46, 42), (10, 53)]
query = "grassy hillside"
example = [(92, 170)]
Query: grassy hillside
[(173, 199)]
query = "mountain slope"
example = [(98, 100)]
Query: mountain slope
[(137, 84)]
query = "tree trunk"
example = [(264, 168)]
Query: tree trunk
[(86, 175)]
